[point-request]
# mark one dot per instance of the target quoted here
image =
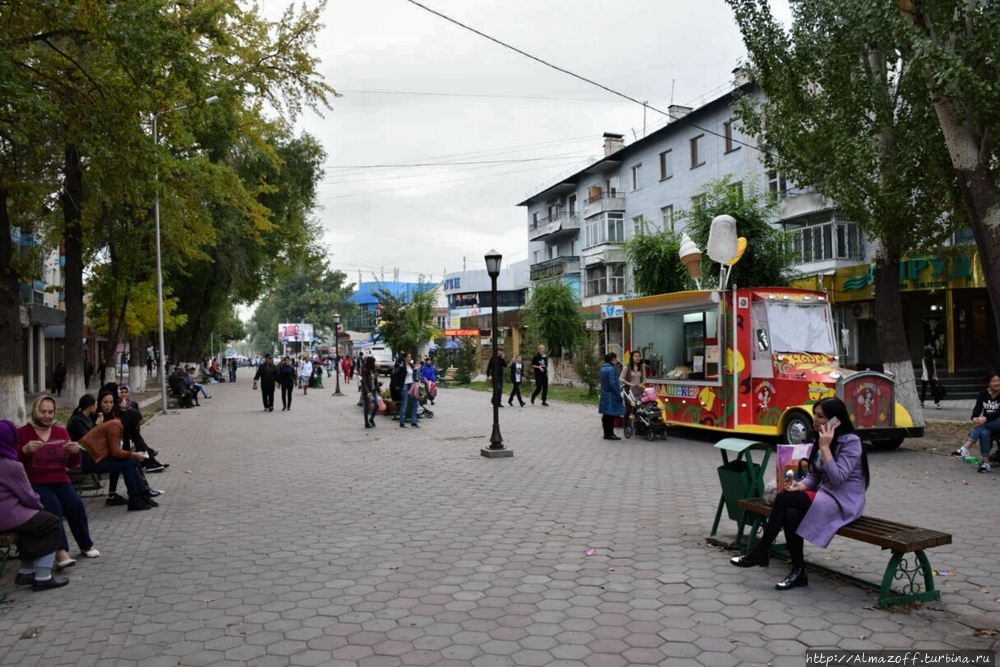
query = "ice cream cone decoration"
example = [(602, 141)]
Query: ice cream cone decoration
[(691, 256)]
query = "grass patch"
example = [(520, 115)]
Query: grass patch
[(576, 395)]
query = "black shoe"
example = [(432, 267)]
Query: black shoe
[(155, 467), (545, 404), (24, 579), (532, 400), (402, 426), (272, 409), (797, 578), (500, 406), (522, 404), (138, 504), (51, 582), (751, 559), (368, 425), (415, 425), (115, 499), (372, 422), (155, 492), (611, 437)]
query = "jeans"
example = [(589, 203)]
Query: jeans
[(286, 396), (232, 375), (407, 404), (199, 387), (923, 391), (129, 468), (986, 432), (63, 501)]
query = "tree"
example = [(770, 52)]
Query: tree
[(954, 47), (846, 112), (587, 362), (407, 318), (768, 258), (654, 262), (555, 318), (467, 364)]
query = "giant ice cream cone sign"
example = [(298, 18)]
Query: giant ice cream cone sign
[(691, 256), (741, 247)]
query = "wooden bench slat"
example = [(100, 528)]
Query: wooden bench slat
[(872, 530)]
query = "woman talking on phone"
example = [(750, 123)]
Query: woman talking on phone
[(831, 496)]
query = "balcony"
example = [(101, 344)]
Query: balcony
[(555, 267), (553, 226), (604, 203)]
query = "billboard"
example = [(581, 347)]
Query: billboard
[(295, 333)]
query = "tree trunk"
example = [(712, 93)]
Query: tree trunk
[(12, 353), (196, 346), (136, 365), (891, 331), (72, 204)]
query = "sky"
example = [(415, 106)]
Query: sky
[(468, 128)]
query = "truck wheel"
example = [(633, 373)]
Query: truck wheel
[(887, 445), (797, 427)]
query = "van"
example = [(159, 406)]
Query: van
[(384, 359)]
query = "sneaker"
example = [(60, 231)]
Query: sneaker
[(115, 499), (962, 452), (156, 468), (985, 467), (155, 492), (937, 406), (92, 552)]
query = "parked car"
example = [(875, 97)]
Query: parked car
[(384, 359)]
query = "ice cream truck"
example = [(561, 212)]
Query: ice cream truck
[(754, 361)]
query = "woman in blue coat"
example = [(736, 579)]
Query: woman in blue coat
[(831, 496), (611, 397)]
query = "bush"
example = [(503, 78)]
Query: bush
[(467, 364), (587, 363)]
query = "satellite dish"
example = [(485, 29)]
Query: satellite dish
[(722, 239)]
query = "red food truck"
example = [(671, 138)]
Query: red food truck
[(754, 361)]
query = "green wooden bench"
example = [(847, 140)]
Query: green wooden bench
[(899, 538), (85, 483), (7, 542)]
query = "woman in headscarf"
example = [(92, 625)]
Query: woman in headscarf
[(46, 450), (21, 511)]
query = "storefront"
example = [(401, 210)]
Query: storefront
[(945, 307)]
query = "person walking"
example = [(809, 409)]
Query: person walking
[(516, 375), (540, 364), (267, 376), (409, 404), (611, 396), (305, 374), (88, 373), (496, 369), (286, 378), (929, 376), (369, 391), (633, 378), (59, 378), (232, 369)]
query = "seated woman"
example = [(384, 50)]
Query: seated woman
[(138, 443), (831, 496), (21, 511), (103, 453), (82, 419), (46, 450)]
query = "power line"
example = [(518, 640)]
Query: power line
[(575, 75), (451, 164), (477, 95)]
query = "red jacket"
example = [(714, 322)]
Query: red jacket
[(27, 434)]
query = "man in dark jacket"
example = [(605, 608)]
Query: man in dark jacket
[(398, 378), (179, 388), (267, 374), (496, 369)]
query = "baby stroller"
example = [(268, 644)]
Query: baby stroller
[(427, 393), (646, 418)]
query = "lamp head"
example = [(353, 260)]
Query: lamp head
[(493, 263), (212, 100)]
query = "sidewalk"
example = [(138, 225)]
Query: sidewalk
[(300, 538)]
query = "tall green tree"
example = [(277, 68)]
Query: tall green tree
[(846, 112), (654, 262), (768, 259), (406, 318), (554, 317)]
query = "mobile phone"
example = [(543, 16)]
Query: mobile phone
[(833, 422)]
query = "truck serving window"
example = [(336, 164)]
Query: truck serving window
[(800, 327), (671, 342)]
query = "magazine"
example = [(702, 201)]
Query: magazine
[(792, 459), (52, 456)]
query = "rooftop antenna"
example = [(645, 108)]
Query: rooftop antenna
[(673, 84), (644, 104), (463, 264)]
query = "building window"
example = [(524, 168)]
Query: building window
[(606, 228), (697, 201), (553, 251), (667, 218), (616, 227), (638, 225), (595, 233), (776, 185), (442, 322), (824, 235), (596, 280), (727, 133), (666, 165), (538, 257), (553, 211), (616, 279), (612, 186), (696, 160), (571, 202), (636, 184)]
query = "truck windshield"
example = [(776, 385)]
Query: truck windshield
[(800, 327)]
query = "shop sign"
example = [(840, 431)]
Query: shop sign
[(610, 311), (461, 332), (921, 273)]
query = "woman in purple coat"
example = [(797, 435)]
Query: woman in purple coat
[(831, 496)]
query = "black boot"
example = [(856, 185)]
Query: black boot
[(797, 578), (753, 558), (136, 503)]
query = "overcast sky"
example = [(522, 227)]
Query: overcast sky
[(420, 90)]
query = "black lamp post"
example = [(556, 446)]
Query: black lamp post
[(496, 448), (336, 337)]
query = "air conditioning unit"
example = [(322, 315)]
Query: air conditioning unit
[(863, 311)]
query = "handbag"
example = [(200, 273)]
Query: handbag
[(415, 390)]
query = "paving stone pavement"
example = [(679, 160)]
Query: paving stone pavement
[(300, 538)]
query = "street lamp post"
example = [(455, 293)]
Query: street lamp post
[(496, 448), (336, 338), (159, 261)]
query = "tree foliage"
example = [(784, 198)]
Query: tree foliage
[(554, 316), (653, 259), (587, 362), (406, 318), (768, 259)]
